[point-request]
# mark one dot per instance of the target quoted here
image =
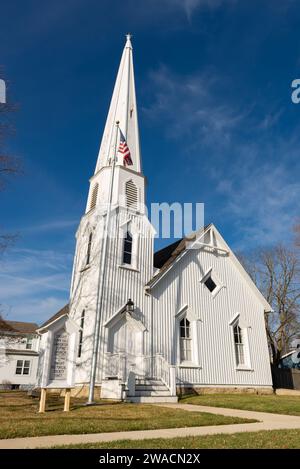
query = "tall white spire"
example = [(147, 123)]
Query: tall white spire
[(123, 109)]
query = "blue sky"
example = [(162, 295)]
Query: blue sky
[(217, 123)]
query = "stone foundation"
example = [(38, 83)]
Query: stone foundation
[(198, 390)]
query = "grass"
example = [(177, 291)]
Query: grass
[(275, 439), (19, 417), (289, 405)]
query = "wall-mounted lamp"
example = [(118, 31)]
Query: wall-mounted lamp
[(129, 306)]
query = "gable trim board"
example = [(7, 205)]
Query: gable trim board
[(183, 251)]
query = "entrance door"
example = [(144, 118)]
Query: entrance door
[(125, 340)]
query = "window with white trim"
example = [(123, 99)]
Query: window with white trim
[(185, 340), (127, 248), (23, 367), (89, 248), (81, 334), (239, 345), (29, 341), (212, 282)]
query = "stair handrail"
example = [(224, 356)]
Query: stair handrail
[(166, 373)]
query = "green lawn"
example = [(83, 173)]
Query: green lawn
[(19, 417), (289, 405), (276, 439)]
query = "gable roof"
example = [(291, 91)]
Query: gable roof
[(180, 249), (56, 316), (18, 326), (166, 257), (161, 256)]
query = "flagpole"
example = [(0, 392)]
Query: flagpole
[(101, 277)]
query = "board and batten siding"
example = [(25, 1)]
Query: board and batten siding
[(182, 286), (121, 283)]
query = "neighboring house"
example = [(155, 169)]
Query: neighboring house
[(188, 316), (19, 343), (291, 359)]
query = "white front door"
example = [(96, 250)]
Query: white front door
[(126, 340)]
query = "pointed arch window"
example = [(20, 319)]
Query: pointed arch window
[(127, 248), (185, 340), (81, 333), (131, 193), (239, 345), (89, 248), (94, 196)]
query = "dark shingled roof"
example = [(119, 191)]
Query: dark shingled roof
[(18, 326), (57, 315), (167, 256), (161, 256)]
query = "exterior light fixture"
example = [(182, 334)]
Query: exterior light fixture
[(129, 306)]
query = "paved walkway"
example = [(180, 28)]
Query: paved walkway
[(267, 421)]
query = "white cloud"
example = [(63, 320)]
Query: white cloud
[(48, 226), (190, 6), (190, 107), (262, 202), (34, 284), (253, 169)]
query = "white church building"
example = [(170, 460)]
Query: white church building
[(140, 325)]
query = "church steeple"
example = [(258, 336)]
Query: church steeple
[(122, 108)]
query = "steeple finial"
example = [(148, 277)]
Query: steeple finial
[(122, 108)]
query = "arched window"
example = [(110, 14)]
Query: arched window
[(239, 345), (81, 333), (127, 249), (94, 196), (88, 253), (185, 341), (131, 193)]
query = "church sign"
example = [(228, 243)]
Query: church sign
[(59, 361)]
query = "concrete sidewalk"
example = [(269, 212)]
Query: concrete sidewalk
[(267, 421)]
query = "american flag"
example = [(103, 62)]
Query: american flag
[(123, 148)]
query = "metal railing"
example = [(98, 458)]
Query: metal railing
[(115, 365), (155, 367)]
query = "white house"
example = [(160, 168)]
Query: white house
[(139, 324), (19, 344)]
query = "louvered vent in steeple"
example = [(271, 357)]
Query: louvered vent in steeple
[(131, 194), (94, 196)]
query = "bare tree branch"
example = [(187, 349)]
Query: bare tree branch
[(276, 272), (9, 165)]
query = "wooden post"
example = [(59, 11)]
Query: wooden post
[(67, 400), (43, 400)]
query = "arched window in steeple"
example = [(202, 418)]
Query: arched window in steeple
[(131, 193), (127, 249), (89, 248), (94, 196)]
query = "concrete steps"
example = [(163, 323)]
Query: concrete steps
[(151, 391), (153, 399)]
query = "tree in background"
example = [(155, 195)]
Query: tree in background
[(297, 235), (276, 272), (9, 165)]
